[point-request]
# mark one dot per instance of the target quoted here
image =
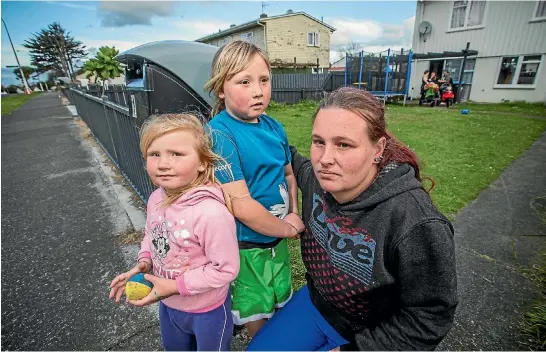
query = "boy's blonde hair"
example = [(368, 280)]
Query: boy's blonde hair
[(159, 125), (231, 59)]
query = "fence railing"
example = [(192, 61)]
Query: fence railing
[(114, 119), (115, 128)]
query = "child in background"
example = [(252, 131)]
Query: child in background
[(258, 177), (190, 243)]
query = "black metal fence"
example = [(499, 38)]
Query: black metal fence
[(115, 116), (292, 88), (115, 126)]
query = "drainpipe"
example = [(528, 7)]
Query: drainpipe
[(265, 35)]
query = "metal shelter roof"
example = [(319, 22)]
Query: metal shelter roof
[(442, 55), (189, 61)]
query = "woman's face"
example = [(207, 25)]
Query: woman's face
[(342, 154)]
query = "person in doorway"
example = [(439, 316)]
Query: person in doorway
[(258, 176), (379, 256)]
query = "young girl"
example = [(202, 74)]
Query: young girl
[(190, 243), (258, 175)]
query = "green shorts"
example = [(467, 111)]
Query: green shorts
[(263, 284)]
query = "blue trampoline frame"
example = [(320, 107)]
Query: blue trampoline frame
[(384, 94)]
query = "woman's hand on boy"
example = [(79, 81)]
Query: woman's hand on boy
[(162, 288), (297, 224), (117, 286)]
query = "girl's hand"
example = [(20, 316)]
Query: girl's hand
[(163, 288), (117, 286)]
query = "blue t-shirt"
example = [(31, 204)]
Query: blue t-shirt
[(256, 153)]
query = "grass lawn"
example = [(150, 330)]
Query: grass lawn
[(511, 107), (13, 101), (462, 153)]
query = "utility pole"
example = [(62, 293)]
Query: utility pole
[(27, 89)]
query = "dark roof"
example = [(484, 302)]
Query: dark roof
[(444, 54), (254, 23)]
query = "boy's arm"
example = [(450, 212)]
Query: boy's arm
[(292, 189)]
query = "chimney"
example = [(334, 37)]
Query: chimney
[(263, 15)]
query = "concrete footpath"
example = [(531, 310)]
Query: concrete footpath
[(60, 224), (62, 215)]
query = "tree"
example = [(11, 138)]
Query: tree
[(27, 71), (103, 66), (351, 48), (53, 49)]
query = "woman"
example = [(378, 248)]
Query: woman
[(379, 257)]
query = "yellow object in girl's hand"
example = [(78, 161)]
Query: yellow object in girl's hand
[(137, 287)]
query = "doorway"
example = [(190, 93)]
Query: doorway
[(436, 66)]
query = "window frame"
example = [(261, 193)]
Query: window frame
[(535, 18), (465, 27), (320, 70), (248, 36), (316, 39), (514, 84)]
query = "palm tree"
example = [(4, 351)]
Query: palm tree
[(103, 66)]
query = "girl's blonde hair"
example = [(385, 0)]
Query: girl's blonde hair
[(159, 125), (229, 60)]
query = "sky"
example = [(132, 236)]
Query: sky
[(375, 25)]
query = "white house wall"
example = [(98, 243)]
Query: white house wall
[(417, 69), (483, 91), (506, 31)]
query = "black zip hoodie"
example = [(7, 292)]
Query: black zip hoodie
[(380, 268)]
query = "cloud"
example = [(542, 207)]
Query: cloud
[(124, 13), (9, 59), (177, 30), (71, 5), (369, 35)]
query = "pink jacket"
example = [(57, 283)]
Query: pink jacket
[(194, 242)]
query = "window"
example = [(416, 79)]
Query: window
[(315, 70), (249, 36), (467, 13), (540, 10), (313, 39), (519, 71)]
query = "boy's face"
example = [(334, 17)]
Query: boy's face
[(247, 94)]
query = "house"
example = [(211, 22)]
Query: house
[(295, 41), (510, 40)]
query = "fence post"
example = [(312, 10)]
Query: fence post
[(360, 71), (408, 75), (104, 100), (387, 68), (346, 60)]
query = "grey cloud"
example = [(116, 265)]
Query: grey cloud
[(124, 13)]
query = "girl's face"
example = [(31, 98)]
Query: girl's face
[(172, 160), (342, 154), (248, 92)]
